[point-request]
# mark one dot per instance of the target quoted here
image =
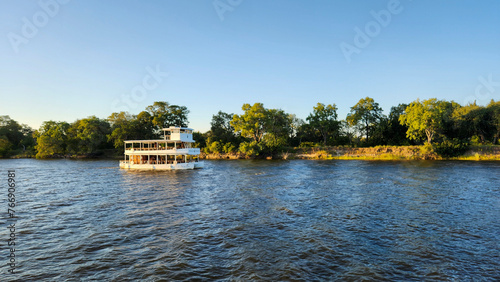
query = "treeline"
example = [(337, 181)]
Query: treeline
[(90, 136), (447, 127)]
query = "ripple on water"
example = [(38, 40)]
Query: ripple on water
[(258, 220)]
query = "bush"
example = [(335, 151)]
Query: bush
[(251, 149), (213, 147), (229, 148), (306, 145), (450, 149)]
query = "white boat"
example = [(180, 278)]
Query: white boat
[(172, 152)]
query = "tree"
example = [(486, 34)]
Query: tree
[(221, 128), (324, 120), (143, 127), (12, 131), (252, 123), (88, 135), (278, 128), (51, 139), (390, 131), (494, 108), (165, 115), (365, 114), (424, 118), (122, 128)]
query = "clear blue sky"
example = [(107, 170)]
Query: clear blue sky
[(85, 56)]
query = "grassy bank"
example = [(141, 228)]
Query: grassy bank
[(476, 153)]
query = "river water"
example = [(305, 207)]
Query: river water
[(253, 220)]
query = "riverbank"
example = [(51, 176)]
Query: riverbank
[(475, 153)]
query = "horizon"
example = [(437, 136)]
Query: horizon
[(68, 60)]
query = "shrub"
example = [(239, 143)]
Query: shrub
[(229, 148), (306, 145), (451, 148), (250, 148)]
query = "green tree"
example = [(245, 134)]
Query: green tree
[(122, 128), (51, 139), (324, 120), (221, 128), (365, 114), (424, 118), (252, 123), (12, 132), (390, 131), (278, 128), (494, 108), (165, 115), (5, 147), (143, 127), (88, 135)]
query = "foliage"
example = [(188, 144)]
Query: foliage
[(5, 147), (221, 128), (252, 123), (88, 135), (261, 132), (451, 148), (251, 149), (365, 114), (278, 128), (424, 117), (15, 138), (164, 115), (229, 148), (52, 139), (201, 140), (324, 120)]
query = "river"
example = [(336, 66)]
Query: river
[(253, 220)]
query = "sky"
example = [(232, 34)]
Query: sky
[(65, 60)]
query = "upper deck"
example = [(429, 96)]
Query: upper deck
[(175, 133)]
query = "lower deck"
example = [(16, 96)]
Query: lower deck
[(161, 166)]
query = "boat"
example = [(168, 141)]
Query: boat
[(173, 152)]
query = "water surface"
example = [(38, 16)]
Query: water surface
[(255, 220)]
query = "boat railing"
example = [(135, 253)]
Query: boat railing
[(161, 149)]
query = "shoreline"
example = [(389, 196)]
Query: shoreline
[(378, 153)]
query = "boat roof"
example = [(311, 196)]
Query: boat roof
[(146, 141), (176, 127)]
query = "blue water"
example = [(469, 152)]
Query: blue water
[(254, 220)]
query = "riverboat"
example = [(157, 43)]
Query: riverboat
[(173, 152)]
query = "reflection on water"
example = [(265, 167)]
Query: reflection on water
[(257, 220)]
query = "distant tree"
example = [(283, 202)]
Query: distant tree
[(200, 139), (365, 114), (252, 123), (11, 130), (324, 120), (51, 139), (165, 115), (221, 129), (424, 118), (178, 116), (16, 138), (88, 135), (122, 128), (143, 127), (278, 128), (494, 108), (5, 147), (390, 131)]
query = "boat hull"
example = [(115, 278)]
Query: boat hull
[(179, 166)]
